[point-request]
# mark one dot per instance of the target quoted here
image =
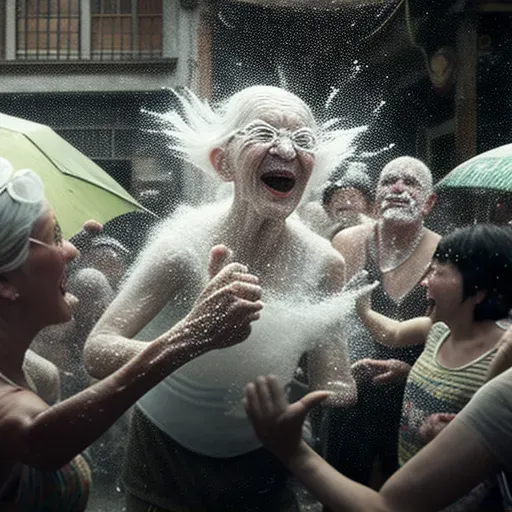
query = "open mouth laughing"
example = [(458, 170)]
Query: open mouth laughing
[(431, 303), (279, 183)]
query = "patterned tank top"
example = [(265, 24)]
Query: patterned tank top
[(34, 490), (433, 388)]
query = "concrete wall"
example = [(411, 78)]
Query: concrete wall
[(177, 68)]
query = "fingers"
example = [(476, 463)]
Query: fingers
[(245, 290), (229, 274), (219, 256), (277, 392), (314, 398), (383, 378), (232, 279), (265, 398), (92, 226), (357, 280), (444, 417), (251, 401)]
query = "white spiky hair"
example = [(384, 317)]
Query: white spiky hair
[(200, 128)]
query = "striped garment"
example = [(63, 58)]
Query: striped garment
[(66, 489), (432, 388)]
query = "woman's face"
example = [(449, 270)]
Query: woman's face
[(41, 279), (444, 290), (271, 160)]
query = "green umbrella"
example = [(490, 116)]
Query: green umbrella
[(76, 187), (491, 170)]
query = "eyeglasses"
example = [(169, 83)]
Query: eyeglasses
[(303, 139), (24, 186), (58, 240), (55, 245)]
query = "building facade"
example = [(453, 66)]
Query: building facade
[(94, 70)]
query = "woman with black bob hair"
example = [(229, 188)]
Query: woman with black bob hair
[(483, 255), (41, 468), (450, 444)]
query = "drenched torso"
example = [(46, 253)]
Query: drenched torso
[(200, 405)]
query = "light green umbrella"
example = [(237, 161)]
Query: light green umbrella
[(491, 170), (76, 187)]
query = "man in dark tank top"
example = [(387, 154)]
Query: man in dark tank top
[(396, 250)]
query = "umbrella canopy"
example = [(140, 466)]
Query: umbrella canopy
[(491, 170), (76, 187)]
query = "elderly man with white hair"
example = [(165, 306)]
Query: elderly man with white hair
[(191, 445), (395, 250)]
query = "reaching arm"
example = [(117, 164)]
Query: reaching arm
[(393, 333), (420, 485), (110, 344), (503, 359), (47, 437)]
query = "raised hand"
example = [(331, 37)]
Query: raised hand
[(223, 312), (434, 424), (388, 371), (92, 226), (278, 424)]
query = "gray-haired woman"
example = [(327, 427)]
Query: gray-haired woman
[(191, 446), (40, 466)]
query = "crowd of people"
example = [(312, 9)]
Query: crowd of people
[(184, 334)]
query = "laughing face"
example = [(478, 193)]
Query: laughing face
[(404, 191), (42, 282), (444, 291), (271, 159)]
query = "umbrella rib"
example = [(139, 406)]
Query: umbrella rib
[(53, 162)]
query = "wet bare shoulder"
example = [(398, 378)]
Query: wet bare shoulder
[(351, 243), (330, 264)]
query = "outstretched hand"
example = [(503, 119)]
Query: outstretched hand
[(224, 310), (387, 371), (277, 423), (434, 424)]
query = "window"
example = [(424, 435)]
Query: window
[(111, 30), (126, 29), (48, 29)]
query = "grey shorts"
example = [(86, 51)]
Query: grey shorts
[(160, 473)]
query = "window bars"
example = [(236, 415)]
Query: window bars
[(118, 29), (126, 29), (48, 29)]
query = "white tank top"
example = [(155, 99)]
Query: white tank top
[(200, 404)]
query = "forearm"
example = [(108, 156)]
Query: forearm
[(105, 353), (332, 488), (383, 329), (90, 413), (503, 359), (329, 370)]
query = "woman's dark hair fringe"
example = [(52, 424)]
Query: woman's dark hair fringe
[(482, 253)]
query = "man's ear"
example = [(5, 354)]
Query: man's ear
[(219, 162), (7, 290), (429, 204)]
